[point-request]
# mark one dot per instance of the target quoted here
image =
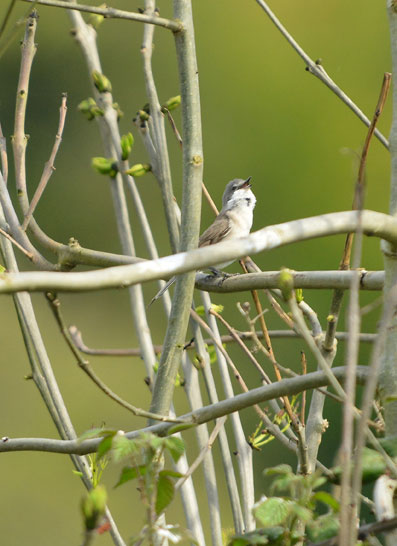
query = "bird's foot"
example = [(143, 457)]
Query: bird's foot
[(221, 274)]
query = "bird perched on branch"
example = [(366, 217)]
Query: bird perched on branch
[(233, 222)]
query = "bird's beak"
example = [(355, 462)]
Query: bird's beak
[(247, 183)]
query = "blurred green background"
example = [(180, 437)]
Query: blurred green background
[(263, 116)]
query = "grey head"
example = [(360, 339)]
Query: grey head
[(232, 186)]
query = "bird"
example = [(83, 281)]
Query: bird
[(233, 222)]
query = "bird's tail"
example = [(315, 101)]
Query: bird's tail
[(163, 290)]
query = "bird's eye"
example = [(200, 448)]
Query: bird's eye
[(234, 187)]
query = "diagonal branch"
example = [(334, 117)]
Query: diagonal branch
[(285, 387), (317, 70)]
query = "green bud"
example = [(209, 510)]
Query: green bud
[(105, 166), (95, 20), (286, 284), (127, 142), (93, 507), (120, 113), (143, 116), (90, 108), (101, 82), (139, 169), (172, 103), (299, 295)]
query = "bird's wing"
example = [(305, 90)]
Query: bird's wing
[(217, 231)]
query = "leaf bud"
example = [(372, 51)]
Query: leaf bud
[(101, 82), (126, 143), (172, 103), (139, 169), (286, 283), (105, 166)]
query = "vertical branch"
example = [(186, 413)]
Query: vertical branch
[(191, 205), (162, 171), (388, 375), (86, 37)]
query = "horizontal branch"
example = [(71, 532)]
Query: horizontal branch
[(369, 280), (285, 387), (268, 238), (112, 13), (158, 349)]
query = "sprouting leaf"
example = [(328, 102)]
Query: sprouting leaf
[(165, 492), (122, 447), (326, 498), (93, 506), (273, 511), (175, 446), (105, 446), (131, 473)]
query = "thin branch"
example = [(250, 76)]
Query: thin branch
[(191, 345), (196, 463), (49, 166), (285, 387), (14, 242), (317, 70), (112, 13), (55, 305)]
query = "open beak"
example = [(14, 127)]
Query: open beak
[(247, 183)]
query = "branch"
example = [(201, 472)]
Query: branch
[(268, 238), (49, 166), (317, 70), (285, 387), (369, 280), (191, 206), (112, 13)]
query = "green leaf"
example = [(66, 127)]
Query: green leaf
[(326, 498), (172, 473), (2, 268), (165, 492), (95, 433), (175, 446), (105, 446), (131, 473), (179, 427), (322, 528), (273, 511), (279, 469), (122, 447)]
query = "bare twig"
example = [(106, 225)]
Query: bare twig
[(191, 345), (55, 305), (196, 463), (317, 70), (111, 13), (14, 242), (49, 166)]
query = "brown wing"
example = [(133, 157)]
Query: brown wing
[(217, 231)]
